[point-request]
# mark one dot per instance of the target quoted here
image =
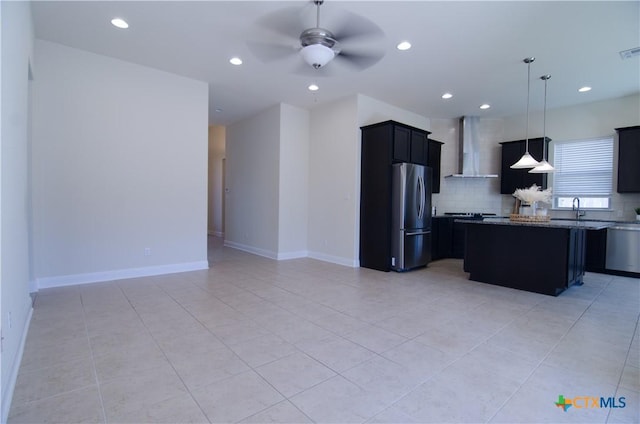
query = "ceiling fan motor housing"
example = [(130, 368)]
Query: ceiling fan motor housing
[(317, 46)]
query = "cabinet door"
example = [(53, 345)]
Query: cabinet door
[(401, 144), (510, 179), (628, 160), (596, 244), (433, 161), (442, 237), (419, 147)]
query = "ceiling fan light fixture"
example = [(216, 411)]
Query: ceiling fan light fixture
[(317, 55)]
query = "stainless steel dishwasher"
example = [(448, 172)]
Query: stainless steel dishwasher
[(623, 248)]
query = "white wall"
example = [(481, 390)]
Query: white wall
[(293, 182), (252, 183), (332, 190), (334, 181), (120, 166), (16, 37), (266, 180), (217, 137)]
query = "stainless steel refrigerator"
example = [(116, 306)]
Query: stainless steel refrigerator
[(410, 216)]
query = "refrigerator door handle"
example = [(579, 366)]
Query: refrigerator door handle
[(417, 233), (421, 189)]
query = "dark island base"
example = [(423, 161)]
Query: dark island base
[(533, 258)]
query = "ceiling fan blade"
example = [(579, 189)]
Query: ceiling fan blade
[(353, 26), (359, 60), (270, 52), (288, 22)]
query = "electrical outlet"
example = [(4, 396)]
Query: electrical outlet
[(147, 251)]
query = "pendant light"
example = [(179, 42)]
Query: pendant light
[(527, 161), (544, 167)]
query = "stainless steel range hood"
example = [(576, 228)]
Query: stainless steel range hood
[(469, 150)]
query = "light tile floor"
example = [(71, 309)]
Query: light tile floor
[(254, 340)]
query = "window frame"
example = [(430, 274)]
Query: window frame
[(563, 201)]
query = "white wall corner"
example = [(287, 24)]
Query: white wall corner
[(7, 392)]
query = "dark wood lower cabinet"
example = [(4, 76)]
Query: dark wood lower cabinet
[(538, 259), (595, 257), (441, 237)]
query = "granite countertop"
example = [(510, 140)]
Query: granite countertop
[(559, 223)]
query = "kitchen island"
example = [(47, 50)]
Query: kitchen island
[(545, 258)]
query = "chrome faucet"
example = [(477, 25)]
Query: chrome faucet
[(576, 200)]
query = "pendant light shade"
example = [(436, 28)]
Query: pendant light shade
[(544, 167), (527, 161)]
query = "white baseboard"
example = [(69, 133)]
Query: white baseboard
[(252, 249), (278, 256), (353, 263), (97, 277), (7, 392), (293, 255)]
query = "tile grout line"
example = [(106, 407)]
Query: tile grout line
[(93, 360), (626, 359), (164, 354), (548, 353)]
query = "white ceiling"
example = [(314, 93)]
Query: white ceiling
[(471, 49)]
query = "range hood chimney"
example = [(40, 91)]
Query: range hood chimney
[(469, 150)]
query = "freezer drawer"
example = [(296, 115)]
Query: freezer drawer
[(410, 249)]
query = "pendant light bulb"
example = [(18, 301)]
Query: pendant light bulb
[(544, 167), (527, 161)]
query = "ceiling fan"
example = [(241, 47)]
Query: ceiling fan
[(354, 42)]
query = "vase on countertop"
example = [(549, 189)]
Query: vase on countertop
[(528, 209)]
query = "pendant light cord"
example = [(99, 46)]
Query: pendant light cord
[(526, 147), (544, 119)]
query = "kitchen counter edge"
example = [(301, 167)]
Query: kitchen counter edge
[(589, 225)]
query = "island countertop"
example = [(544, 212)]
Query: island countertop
[(554, 223)]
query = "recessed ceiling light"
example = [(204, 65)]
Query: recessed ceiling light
[(120, 23), (313, 87), (584, 89), (447, 95), (235, 61), (405, 45), (485, 106)]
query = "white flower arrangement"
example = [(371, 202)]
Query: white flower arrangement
[(533, 194)]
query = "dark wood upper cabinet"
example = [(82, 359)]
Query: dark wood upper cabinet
[(433, 161), (629, 159), (512, 179)]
